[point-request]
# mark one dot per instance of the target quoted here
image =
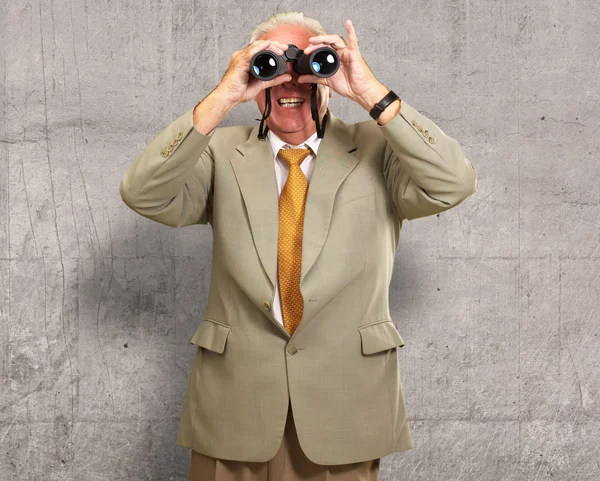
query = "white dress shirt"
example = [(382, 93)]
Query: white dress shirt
[(281, 173)]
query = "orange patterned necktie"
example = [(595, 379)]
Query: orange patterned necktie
[(289, 246)]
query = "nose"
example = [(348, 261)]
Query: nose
[(293, 73)]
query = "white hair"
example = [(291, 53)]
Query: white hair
[(287, 18)]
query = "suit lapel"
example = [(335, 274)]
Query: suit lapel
[(254, 169)]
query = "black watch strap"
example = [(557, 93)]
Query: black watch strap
[(382, 104)]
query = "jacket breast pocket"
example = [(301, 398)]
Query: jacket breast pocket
[(211, 335), (379, 336), (353, 191)]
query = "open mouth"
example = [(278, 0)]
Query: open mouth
[(290, 102)]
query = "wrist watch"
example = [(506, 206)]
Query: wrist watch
[(382, 104)]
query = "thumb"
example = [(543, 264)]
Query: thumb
[(279, 80), (313, 79)]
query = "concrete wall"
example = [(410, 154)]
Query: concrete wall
[(496, 299)]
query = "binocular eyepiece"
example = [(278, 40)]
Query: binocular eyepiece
[(322, 62)]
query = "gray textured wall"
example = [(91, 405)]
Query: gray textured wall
[(496, 299)]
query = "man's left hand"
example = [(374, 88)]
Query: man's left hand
[(354, 78)]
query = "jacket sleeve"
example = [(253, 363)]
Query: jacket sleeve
[(171, 180), (425, 170)]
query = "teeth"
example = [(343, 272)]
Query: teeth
[(290, 101)]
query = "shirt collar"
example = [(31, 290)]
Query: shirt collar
[(277, 144)]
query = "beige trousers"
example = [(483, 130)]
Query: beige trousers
[(289, 464)]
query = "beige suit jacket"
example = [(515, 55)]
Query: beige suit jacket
[(340, 368)]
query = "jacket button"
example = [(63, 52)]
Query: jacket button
[(432, 140), (267, 305), (426, 133), (420, 128), (414, 122), (292, 349), (179, 136)]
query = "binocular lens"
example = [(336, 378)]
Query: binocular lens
[(324, 63), (265, 65)]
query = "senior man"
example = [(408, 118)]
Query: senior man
[(296, 374)]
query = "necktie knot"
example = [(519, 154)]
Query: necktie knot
[(294, 156)]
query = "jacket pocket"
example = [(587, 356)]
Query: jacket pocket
[(211, 335), (350, 194), (379, 336)]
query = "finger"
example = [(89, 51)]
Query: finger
[(258, 42), (352, 39), (335, 40), (277, 50), (312, 48), (286, 77), (260, 45), (269, 44), (283, 46), (313, 79), (275, 43)]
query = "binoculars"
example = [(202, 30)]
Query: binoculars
[(323, 62)]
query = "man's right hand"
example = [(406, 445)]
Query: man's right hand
[(238, 85)]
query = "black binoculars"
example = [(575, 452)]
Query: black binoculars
[(323, 62)]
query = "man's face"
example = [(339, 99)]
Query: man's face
[(293, 124)]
